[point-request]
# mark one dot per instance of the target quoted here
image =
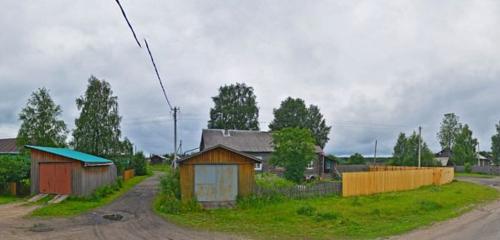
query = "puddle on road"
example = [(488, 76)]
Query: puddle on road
[(113, 217)]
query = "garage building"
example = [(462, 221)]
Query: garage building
[(68, 172), (217, 176)]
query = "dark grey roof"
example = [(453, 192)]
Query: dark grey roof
[(8, 145), (444, 153), (240, 140), (220, 146)]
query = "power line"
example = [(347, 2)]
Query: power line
[(128, 22), (158, 75)]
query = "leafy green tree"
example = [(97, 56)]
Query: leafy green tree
[(449, 129), (41, 124), (356, 158), (294, 150), (98, 127), (495, 145), (317, 125), (293, 113), (464, 149), (406, 151), (235, 108)]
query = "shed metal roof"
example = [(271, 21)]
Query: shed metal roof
[(68, 153)]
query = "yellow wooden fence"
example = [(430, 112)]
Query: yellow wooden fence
[(389, 178), (128, 174)]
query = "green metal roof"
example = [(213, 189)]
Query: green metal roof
[(68, 153)]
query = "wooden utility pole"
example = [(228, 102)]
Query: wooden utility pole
[(419, 145), (375, 153), (175, 137)]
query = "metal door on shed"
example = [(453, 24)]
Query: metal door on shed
[(216, 183), (55, 178)]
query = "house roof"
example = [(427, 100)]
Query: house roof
[(219, 146), (8, 145), (444, 153), (75, 155), (240, 140)]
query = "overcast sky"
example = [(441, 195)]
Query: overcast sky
[(375, 68)]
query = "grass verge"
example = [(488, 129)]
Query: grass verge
[(75, 206), (477, 175), (336, 217), (8, 199)]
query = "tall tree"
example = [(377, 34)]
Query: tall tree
[(293, 113), (41, 124), (294, 150), (317, 125), (495, 145), (450, 127), (98, 127), (235, 108), (406, 151), (356, 158), (464, 149)]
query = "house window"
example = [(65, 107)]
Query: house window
[(258, 166), (310, 165)]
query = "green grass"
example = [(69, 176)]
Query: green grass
[(75, 206), (336, 217), (162, 167), (8, 199), (478, 175)]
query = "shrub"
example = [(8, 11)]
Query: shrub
[(13, 168), (270, 181), (306, 210), (170, 183), (104, 191), (139, 164), (468, 167)]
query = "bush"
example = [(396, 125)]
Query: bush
[(306, 210), (169, 200), (270, 181), (102, 192), (468, 167), (170, 183), (13, 168), (139, 164)]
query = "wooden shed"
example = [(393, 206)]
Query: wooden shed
[(217, 175), (68, 172)]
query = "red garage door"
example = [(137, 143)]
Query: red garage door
[(55, 178)]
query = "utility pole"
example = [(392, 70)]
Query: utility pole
[(175, 136), (419, 144), (375, 154)]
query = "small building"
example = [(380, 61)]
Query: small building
[(443, 157), (157, 159), (8, 146), (260, 145), (217, 175), (68, 172)]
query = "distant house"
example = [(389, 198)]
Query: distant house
[(157, 159), (8, 146), (444, 158), (258, 144)]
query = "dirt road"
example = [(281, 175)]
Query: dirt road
[(139, 222), (482, 223)]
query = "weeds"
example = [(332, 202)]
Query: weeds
[(306, 210)]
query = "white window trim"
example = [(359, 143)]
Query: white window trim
[(310, 165), (258, 166)]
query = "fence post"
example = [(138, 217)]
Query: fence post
[(13, 188)]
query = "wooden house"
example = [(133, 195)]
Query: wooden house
[(67, 172), (217, 175)]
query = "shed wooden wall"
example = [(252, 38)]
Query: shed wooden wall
[(246, 172), (84, 180)]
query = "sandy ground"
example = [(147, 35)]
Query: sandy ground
[(482, 223), (139, 222)]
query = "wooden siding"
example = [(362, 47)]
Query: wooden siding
[(217, 156), (389, 179), (84, 180)]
